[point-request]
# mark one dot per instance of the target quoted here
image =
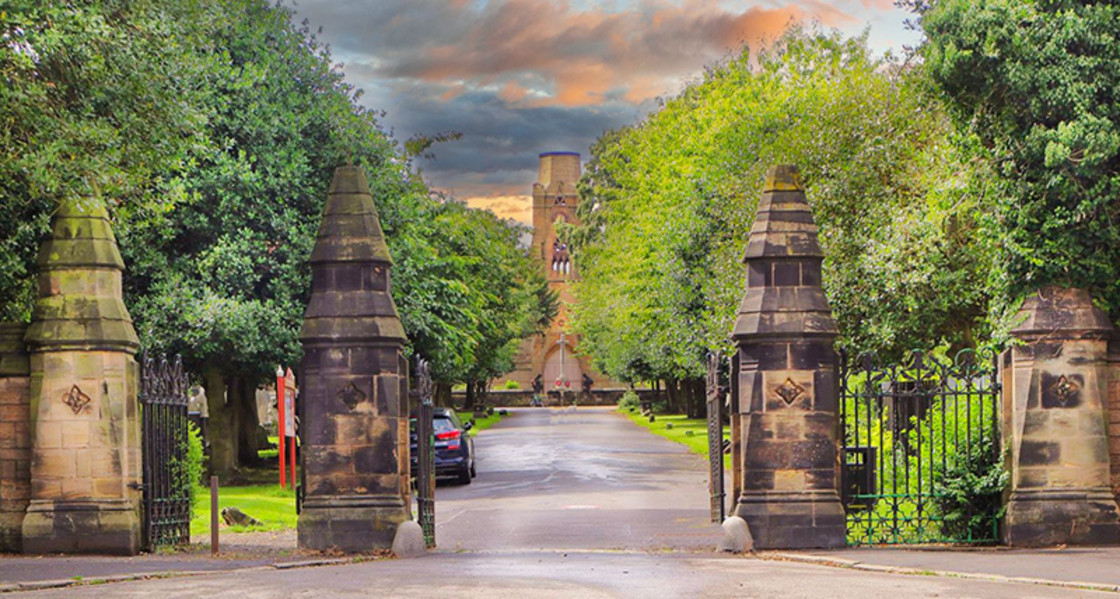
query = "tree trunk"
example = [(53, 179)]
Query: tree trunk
[(468, 402), (243, 398), (482, 394), (696, 407), (442, 395), (222, 427), (672, 394)]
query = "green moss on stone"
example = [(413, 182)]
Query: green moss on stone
[(81, 245)]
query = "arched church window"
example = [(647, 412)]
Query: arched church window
[(561, 260)]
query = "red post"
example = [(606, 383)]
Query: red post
[(280, 403)]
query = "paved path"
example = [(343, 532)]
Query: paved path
[(572, 503), (582, 478), (524, 575), (1099, 565)]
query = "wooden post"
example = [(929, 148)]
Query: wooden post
[(213, 515)]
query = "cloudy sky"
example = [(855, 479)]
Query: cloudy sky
[(520, 77)]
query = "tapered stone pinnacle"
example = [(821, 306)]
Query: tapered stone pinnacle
[(80, 303), (350, 231), (783, 258), (787, 379), (783, 177), (351, 294)]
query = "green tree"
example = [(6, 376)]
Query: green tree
[(468, 294), (1038, 82), (213, 131), (97, 100), (667, 205), (221, 278)]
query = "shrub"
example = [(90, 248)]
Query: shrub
[(970, 492), (195, 462), (629, 401), (511, 385)]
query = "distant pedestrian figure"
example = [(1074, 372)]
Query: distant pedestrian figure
[(538, 389), (198, 412)]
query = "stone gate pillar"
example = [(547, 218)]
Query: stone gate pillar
[(1055, 423), (355, 396), (788, 394), (15, 435), (85, 466), (1114, 412)]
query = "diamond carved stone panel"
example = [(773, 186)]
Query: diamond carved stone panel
[(1062, 391), (792, 389), (351, 395), (76, 399), (789, 391)]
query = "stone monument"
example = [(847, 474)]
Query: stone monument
[(1055, 423), (355, 428), (85, 425), (787, 378)]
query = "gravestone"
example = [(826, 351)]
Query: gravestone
[(355, 420), (787, 379), (85, 467), (1055, 423)]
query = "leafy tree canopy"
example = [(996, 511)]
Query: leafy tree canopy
[(668, 203), (212, 130), (97, 99), (1038, 82)]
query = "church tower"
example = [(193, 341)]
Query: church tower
[(552, 356)]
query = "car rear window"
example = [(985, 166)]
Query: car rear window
[(442, 424)]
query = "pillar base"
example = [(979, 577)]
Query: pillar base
[(11, 532), (804, 520), (82, 526), (350, 524), (1061, 517)]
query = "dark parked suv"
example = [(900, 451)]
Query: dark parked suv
[(454, 446)]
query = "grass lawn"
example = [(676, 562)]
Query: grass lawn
[(690, 432), (268, 503), (481, 424)]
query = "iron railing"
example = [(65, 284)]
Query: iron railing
[(715, 394), (425, 450), (912, 433), (167, 484)]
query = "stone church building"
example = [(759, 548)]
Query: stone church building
[(553, 356)]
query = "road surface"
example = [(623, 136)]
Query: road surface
[(571, 503)]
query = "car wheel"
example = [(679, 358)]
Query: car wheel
[(473, 473), (465, 475)]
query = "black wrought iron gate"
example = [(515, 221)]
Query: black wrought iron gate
[(917, 438), (167, 484), (425, 450), (715, 438)]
